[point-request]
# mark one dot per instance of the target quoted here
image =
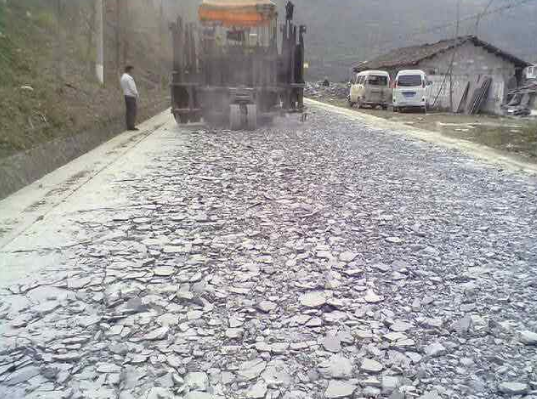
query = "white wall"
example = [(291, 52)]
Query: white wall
[(470, 63)]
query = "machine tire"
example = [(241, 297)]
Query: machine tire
[(235, 117), (251, 116), (181, 119)]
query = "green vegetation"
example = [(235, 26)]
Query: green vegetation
[(41, 98), (514, 136), (7, 51), (26, 106), (520, 139)]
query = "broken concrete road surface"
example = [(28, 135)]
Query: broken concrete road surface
[(330, 259)]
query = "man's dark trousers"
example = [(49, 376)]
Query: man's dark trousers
[(130, 104)]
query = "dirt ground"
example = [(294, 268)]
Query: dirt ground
[(516, 136)]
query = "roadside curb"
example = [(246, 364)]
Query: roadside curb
[(22, 169), (21, 210)]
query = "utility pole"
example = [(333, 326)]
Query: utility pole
[(125, 29), (61, 45), (99, 20), (161, 42), (453, 57), (118, 36)]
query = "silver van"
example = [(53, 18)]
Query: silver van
[(370, 88)]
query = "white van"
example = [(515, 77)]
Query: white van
[(410, 90), (371, 88)]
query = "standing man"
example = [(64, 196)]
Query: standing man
[(131, 95), (289, 10)]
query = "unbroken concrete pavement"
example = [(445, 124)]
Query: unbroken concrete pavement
[(330, 259)]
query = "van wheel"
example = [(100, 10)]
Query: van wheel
[(181, 119), (251, 116)]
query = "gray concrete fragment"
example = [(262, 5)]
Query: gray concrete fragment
[(164, 271), (400, 326), (331, 343), (267, 306), (336, 367), (21, 375), (257, 391), (371, 297), (528, 337), (251, 369), (313, 299), (513, 388), (371, 366), (199, 395), (390, 384), (430, 395), (339, 389), (435, 349), (159, 393), (197, 381), (347, 256), (158, 334), (108, 368)]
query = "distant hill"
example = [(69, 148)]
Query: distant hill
[(342, 32), (345, 31)]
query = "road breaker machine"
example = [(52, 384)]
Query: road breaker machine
[(228, 69)]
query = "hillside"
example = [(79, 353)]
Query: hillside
[(342, 32), (48, 90)]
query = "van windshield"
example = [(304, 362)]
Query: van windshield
[(378, 80), (409, 80)]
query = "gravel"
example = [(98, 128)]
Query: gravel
[(333, 91), (528, 337), (300, 261)]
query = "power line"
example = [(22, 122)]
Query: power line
[(453, 57), (475, 16), (450, 24), (478, 19)]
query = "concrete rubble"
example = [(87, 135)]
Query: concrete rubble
[(260, 265), (522, 101), (334, 91)]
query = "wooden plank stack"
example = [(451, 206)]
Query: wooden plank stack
[(479, 96)]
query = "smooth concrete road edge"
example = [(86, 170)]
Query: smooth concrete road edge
[(19, 170), (16, 211)]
